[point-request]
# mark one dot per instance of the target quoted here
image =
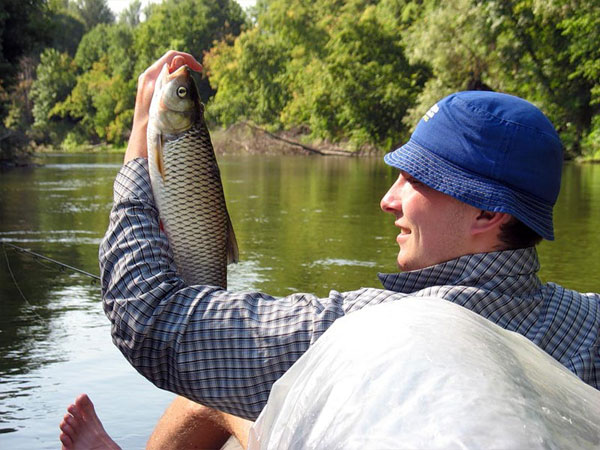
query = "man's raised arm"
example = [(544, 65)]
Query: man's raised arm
[(219, 348)]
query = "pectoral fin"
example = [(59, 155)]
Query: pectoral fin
[(233, 253), (158, 155)]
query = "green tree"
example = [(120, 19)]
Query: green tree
[(55, 80), (102, 100), (23, 29), (336, 68), (249, 77), (358, 71), (66, 26), (579, 22), (530, 48), (110, 56), (94, 12), (189, 25), (364, 84), (115, 42), (132, 14)]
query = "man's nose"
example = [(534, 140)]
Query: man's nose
[(391, 200)]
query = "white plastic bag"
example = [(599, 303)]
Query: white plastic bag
[(423, 373)]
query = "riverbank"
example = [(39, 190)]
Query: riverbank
[(245, 137), (595, 158)]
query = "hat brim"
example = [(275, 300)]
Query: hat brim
[(473, 189)]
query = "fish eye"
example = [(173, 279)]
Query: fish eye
[(181, 92)]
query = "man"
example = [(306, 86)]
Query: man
[(477, 183)]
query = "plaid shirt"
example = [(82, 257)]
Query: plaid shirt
[(226, 349)]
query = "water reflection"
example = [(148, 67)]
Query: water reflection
[(572, 259), (294, 211)]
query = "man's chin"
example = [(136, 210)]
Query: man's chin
[(405, 264)]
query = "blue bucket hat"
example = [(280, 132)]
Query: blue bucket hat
[(493, 151)]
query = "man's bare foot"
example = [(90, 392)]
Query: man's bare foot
[(81, 428)]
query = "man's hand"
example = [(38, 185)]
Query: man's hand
[(137, 146)]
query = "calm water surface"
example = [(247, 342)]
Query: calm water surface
[(303, 224)]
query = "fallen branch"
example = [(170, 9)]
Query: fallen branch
[(298, 144)]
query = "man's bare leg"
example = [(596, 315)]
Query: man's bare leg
[(81, 428), (184, 425), (238, 427), (189, 425)]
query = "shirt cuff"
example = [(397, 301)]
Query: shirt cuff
[(133, 181)]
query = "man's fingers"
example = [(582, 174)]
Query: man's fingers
[(174, 59), (181, 59), (176, 63), (191, 62)]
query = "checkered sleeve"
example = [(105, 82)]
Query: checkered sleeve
[(222, 349)]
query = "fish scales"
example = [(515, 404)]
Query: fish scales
[(189, 195), (194, 214)]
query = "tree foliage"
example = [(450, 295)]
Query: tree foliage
[(102, 100), (132, 14), (189, 25), (368, 70), (22, 31), (55, 80), (258, 60), (355, 71), (90, 98), (93, 12), (336, 68), (531, 48)]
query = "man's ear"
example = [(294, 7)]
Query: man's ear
[(488, 221)]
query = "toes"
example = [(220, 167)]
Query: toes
[(66, 436), (84, 404), (69, 425), (63, 424), (71, 421), (73, 411), (68, 420), (83, 401)]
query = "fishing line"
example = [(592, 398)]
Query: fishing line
[(54, 261), (12, 275), (44, 265), (38, 259)]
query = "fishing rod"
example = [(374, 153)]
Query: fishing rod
[(53, 261)]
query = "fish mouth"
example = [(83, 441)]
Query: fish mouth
[(166, 75), (182, 71)]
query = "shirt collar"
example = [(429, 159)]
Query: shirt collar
[(469, 270)]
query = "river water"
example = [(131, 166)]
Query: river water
[(304, 224)]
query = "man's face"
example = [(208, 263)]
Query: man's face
[(434, 227)]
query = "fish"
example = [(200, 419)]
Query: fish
[(186, 181)]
